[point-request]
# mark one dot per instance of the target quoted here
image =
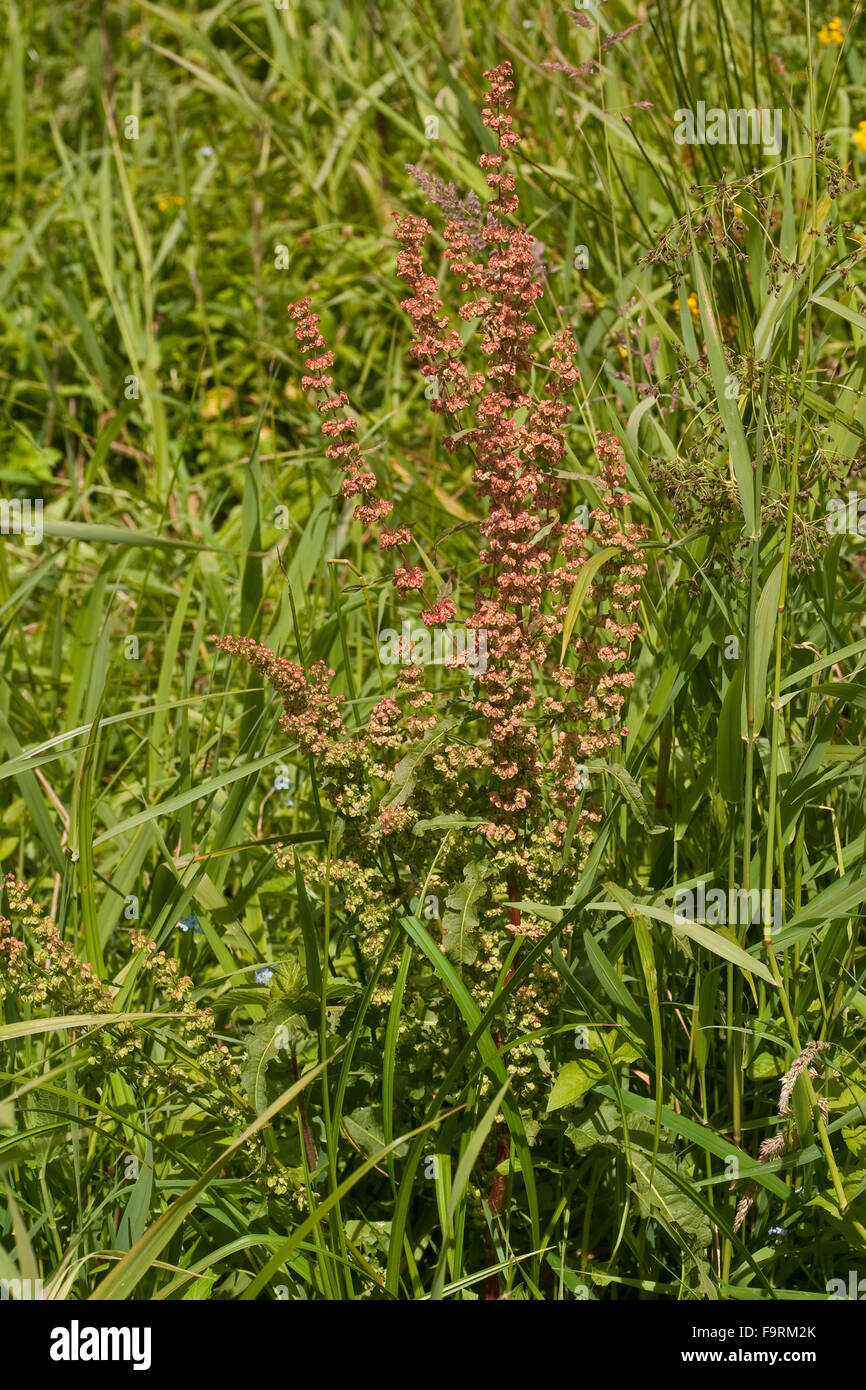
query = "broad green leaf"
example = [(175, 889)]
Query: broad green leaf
[(403, 780), (573, 1081), (460, 919)]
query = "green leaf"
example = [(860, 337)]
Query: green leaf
[(841, 899), (729, 741), (761, 646), (128, 1272), (461, 1180), (585, 576), (364, 1127), (843, 311), (711, 940), (308, 931), (56, 1024), (490, 1055), (652, 1164), (631, 792), (460, 920), (264, 1044), (403, 780), (573, 1081), (741, 460)]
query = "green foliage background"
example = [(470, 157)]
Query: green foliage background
[(269, 136)]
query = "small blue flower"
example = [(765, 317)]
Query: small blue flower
[(190, 923), (206, 150), (281, 783), (263, 975), (778, 1231)]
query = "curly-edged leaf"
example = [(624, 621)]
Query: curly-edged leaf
[(403, 781), (460, 920), (631, 792), (579, 1076), (658, 1191), (267, 1043)]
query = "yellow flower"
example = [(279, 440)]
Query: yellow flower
[(738, 211), (860, 136), (832, 32), (163, 202), (217, 400), (692, 302)]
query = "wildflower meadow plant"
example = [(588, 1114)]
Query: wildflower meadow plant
[(432, 717), (489, 765), (497, 754)]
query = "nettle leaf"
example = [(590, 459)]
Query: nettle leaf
[(364, 1127), (764, 1067), (403, 780), (626, 1052), (666, 1198), (601, 1127), (460, 919), (854, 1187)]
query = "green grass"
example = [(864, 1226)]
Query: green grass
[(149, 393)]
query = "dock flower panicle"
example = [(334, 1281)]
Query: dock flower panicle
[(507, 755), (530, 557)]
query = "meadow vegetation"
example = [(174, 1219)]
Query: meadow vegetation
[(335, 963)]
